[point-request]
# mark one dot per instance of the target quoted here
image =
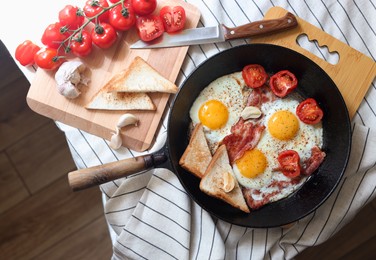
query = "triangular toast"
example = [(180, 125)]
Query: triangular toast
[(213, 181), (140, 77), (120, 101), (197, 155)]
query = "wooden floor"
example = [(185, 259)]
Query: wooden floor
[(41, 218)]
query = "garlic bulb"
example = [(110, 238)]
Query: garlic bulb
[(68, 90), (68, 78)]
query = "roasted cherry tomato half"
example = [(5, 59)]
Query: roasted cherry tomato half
[(254, 75), (282, 83), (94, 7), (289, 163), (104, 35), (54, 35), (309, 111), (173, 18), (149, 27), (71, 16), (144, 7), (81, 44), (48, 59), (122, 18), (25, 53)]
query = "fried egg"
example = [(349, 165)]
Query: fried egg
[(218, 107), (283, 131)]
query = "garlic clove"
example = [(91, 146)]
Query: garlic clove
[(127, 119), (116, 142), (251, 112), (228, 182)]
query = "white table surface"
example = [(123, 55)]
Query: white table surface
[(198, 235)]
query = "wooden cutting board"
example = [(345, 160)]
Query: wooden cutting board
[(354, 72), (44, 99)]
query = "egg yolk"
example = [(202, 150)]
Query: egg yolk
[(252, 163), (283, 125), (213, 114)]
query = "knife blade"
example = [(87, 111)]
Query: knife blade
[(219, 33)]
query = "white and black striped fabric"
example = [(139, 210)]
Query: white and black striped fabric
[(151, 216)]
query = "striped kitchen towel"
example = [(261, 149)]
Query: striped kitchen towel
[(151, 216)]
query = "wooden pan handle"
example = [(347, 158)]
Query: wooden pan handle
[(89, 177)]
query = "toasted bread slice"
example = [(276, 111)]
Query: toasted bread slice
[(120, 101), (197, 155), (140, 77), (213, 183)]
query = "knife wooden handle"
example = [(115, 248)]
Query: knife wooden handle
[(89, 177), (260, 27)]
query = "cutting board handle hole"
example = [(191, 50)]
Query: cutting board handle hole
[(315, 48)]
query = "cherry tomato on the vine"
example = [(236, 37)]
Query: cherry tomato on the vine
[(94, 7), (54, 35), (104, 35), (122, 18), (144, 7), (173, 18), (81, 44), (71, 16), (25, 53), (149, 27), (48, 59)]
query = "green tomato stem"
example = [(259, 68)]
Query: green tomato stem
[(79, 30)]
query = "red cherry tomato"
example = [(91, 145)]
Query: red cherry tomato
[(309, 111), (254, 75), (94, 7), (289, 163), (122, 18), (282, 83), (149, 27), (48, 59), (104, 35), (173, 18), (25, 53), (54, 35), (71, 16), (81, 44), (144, 7)]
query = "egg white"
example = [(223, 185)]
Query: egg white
[(231, 91)]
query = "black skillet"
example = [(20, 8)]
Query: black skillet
[(313, 82)]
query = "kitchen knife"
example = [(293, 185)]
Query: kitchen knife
[(219, 33)]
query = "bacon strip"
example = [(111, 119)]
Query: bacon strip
[(244, 136), (312, 163), (256, 204), (259, 96)]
